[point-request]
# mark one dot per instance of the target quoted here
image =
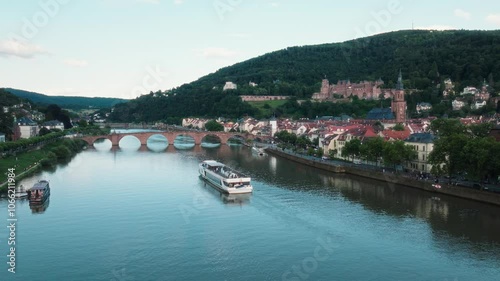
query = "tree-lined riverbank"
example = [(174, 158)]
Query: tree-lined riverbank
[(28, 162)]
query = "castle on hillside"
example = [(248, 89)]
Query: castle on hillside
[(363, 90)]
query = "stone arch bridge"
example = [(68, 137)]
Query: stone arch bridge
[(170, 136)]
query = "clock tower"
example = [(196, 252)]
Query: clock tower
[(398, 104)]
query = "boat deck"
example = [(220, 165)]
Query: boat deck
[(223, 170)]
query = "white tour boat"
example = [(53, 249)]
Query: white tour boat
[(224, 178)]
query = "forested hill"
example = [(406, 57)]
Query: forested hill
[(66, 101), (467, 57), (424, 57), (8, 99)]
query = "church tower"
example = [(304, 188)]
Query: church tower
[(398, 105)]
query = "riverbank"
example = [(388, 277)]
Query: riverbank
[(20, 176), (391, 178), (25, 164), (29, 162)]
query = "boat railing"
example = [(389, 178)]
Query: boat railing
[(227, 172)]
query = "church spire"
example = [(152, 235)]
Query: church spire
[(400, 81), (398, 105)]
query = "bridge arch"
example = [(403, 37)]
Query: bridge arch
[(235, 138), (102, 143), (211, 140), (197, 136), (186, 141), (130, 142), (92, 139), (157, 142), (158, 137)]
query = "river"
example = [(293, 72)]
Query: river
[(131, 213)]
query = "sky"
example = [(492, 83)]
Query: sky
[(125, 48)]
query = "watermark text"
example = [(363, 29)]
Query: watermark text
[(12, 220)]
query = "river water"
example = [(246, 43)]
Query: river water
[(136, 214)]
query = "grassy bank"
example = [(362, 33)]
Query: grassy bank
[(29, 162), (267, 107)]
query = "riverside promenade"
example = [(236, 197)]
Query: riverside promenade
[(31, 170), (390, 177)]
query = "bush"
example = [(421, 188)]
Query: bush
[(61, 151), (49, 160)]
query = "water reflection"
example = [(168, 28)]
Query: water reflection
[(394, 232), (210, 145), (157, 143), (463, 219), (184, 142), (460, 218), (102, 145), (211, 141), (40, 208)]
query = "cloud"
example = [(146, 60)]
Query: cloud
[(76, 62), (436, 27), (217, 53), (493, 18), (18, 48), (462, 14), (273, 3), (150, 1)]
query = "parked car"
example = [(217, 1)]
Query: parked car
[(479, 186)]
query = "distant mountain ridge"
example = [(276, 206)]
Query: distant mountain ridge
[(69, 102)]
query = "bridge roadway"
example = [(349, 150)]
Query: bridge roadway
[(171, 136)]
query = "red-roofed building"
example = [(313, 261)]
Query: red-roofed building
[(228, 126), (330, 144), (469, 121), (391, 135), (370, 133)]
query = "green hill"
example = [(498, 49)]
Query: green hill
[(66, 102), (8, 99), (467, 57), (424, 57)]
